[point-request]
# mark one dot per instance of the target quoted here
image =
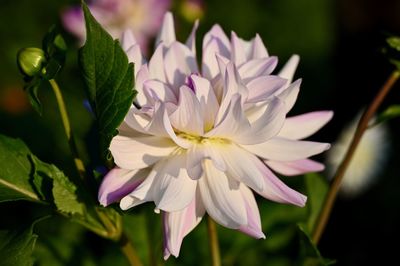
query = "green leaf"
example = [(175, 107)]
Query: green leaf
[(109, 79), (63, 190), (317, 189), (309, 254), (25, 177), (392, 50), (15, 171), (16, 246), (391, 112)]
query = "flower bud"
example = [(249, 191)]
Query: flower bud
[(30, 61)]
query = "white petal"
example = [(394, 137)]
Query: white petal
[(135, 56), (191, 41), (217, 33), (238, 55), (239, 165), (156, 64), (180, 62), (262, 88), (208, 101), (257, 67), (298, 167), (128, 39), (289, 68), (232, 123), (232, 85), (289, 95), (198, 153), (222, 198), (178, 224), (214, 42), (253, 227), (167, 33), (187, 117), (267, 126), (163, 91), (140, 152), (141, 76), (258, 47), (280, 149), (303, 126), (172, 189)]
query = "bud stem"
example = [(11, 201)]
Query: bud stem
[(361, 128), (67, 128)]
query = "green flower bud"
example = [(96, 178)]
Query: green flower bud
[(30, 61)]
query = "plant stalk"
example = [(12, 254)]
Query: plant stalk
[(213, 242), (361, 128)]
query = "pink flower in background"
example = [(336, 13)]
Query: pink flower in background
[(143, 17), (206, 136)]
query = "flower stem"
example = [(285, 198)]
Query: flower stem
[(213, 242), (67, 128), (129, 251), (361, 128)]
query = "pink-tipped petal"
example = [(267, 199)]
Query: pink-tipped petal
[(276, 190), (298, 167), (178, 224), (303, 126), (118, 183), (253, 226)]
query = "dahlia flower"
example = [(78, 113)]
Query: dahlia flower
[(142, 17), (206, 137), (367, 162)]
